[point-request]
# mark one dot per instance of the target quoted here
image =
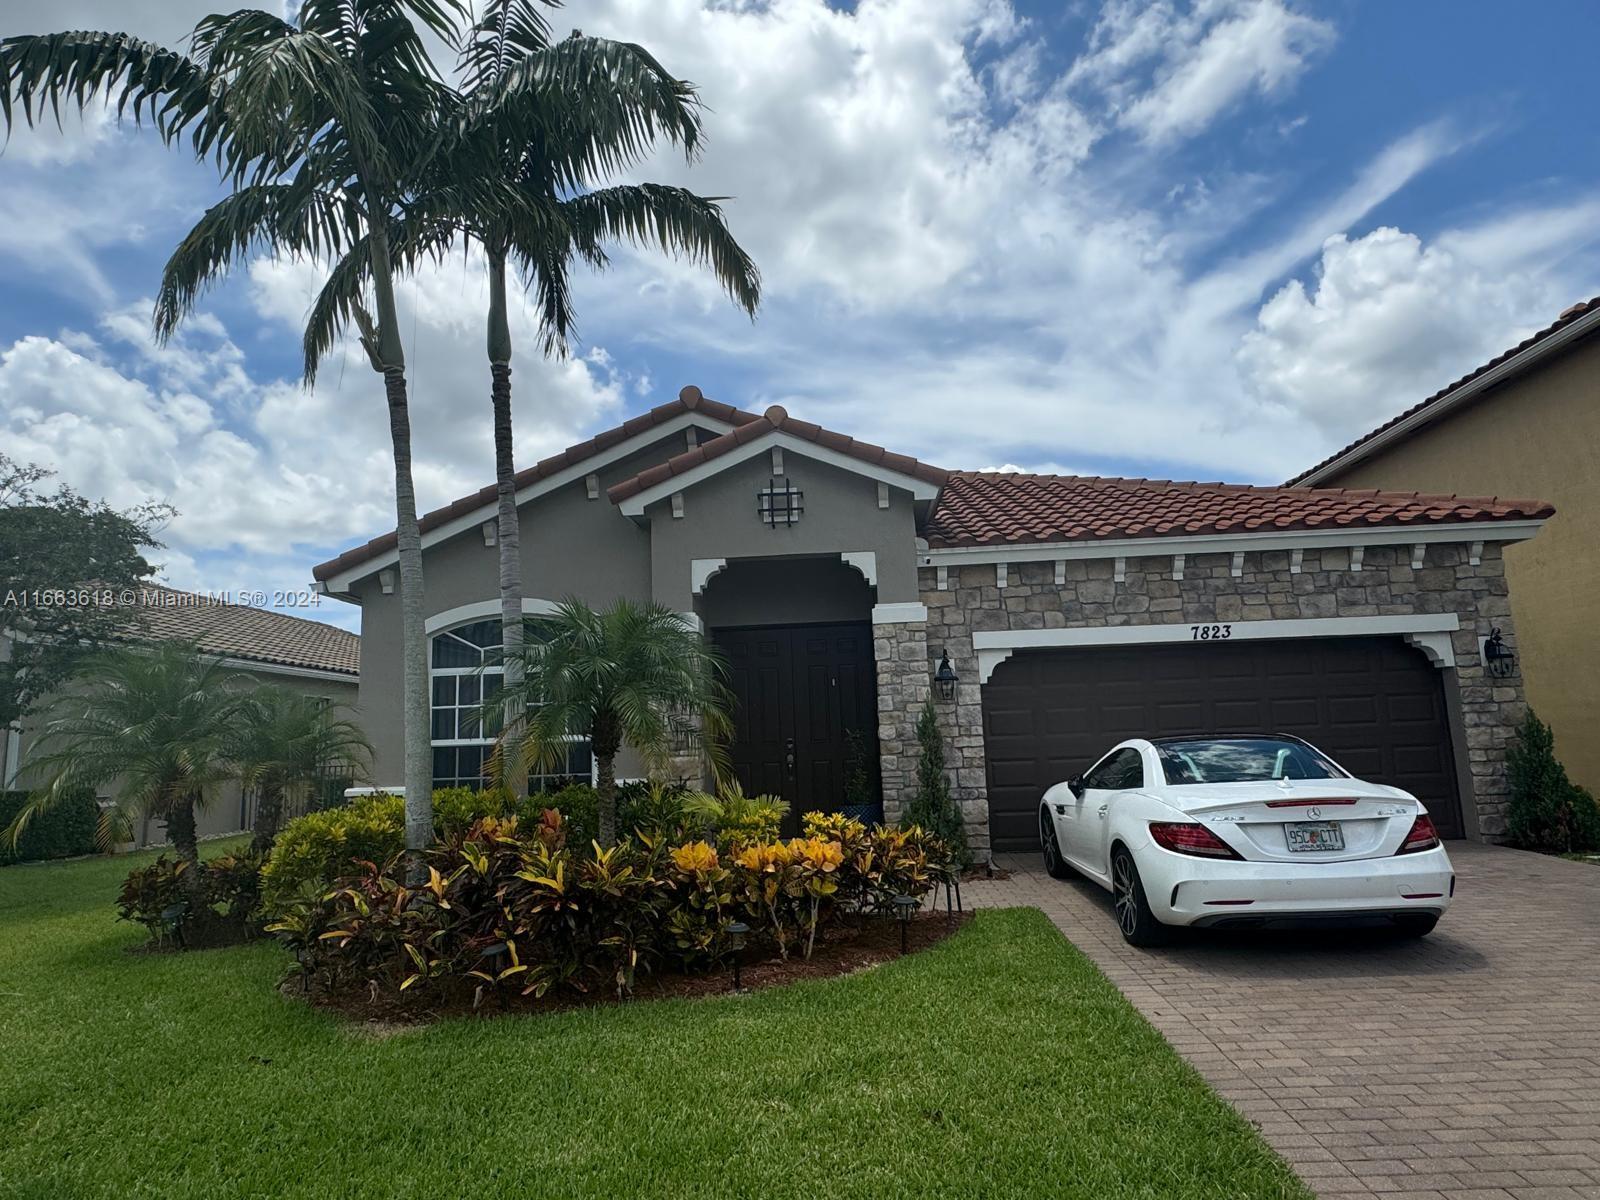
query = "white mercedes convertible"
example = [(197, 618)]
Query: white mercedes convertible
[(1244, 831)]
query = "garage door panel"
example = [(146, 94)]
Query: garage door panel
[(1375, 704), (1236, 715), (1352, 710), (1295, 712), (1015, 722)]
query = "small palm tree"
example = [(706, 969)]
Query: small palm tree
[(284, 749), (156, 725), (632, 675)]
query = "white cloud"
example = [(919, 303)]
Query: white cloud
[(1392, 319), (1167, 71)]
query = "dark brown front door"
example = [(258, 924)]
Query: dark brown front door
[(1375, 704), (800, 690)]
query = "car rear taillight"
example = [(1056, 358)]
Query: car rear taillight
[(1423, 836), (1184, 837)]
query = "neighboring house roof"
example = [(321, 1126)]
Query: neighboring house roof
[(1574, 322), (245, 633), (991, 509), (689, 400), (775, 420)]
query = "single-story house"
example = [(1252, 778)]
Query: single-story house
[(261, 646), (1525, 423), (836, 575)]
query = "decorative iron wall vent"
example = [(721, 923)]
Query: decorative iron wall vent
[(780, 503)]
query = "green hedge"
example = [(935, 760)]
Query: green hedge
[(66, 830)]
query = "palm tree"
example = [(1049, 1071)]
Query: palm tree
[(546, 120), (317, 124), (156, 726), (288, 742), (633, 675)]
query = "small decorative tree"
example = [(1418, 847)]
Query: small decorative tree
[(1547, 810), (932, 807)]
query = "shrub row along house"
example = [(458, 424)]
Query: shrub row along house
[(262, 647), (1046, 616)]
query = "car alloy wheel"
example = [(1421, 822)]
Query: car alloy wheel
[(1122, 893), (1138, 924), (1054, 864)]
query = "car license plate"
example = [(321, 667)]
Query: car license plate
[(1310, 836)]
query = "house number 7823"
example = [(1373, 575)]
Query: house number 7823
[(1211, 633)]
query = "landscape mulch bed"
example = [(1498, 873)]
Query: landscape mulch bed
[(842, 950)]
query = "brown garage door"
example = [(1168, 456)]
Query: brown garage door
[(1375, 704)]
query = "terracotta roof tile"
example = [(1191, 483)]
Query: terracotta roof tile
[(1567, 317), (993, 509), (239, 631), (775, 419), (689, 400)]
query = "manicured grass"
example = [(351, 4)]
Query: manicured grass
[(1000, 1064)]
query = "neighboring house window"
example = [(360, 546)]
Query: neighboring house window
[(464, 674)]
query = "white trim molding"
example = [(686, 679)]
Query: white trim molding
[(865, 561), (532, 606), (1430, 632), (340, 583), (700, 572), (899, 614), (1237, 544), (693, 621), (635, 505)]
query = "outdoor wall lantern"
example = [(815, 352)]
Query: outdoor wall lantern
[(1498, 659), (736, 931), (945, 677)]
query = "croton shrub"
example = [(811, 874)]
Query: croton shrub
[(158, 897), (514, 906)]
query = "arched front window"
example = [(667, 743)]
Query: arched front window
[(465, 674)]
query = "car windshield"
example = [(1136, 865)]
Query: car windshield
[(1242, 760)]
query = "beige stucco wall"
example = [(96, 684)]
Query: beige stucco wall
[(721, 520), (225, 813), (571, 546), (1537, 436)]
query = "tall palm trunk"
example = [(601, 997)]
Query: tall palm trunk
[(509, 534), (390, 356)]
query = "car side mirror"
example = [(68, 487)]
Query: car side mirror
[(1075, 786)]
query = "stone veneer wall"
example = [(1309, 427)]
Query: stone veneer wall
[(904, 685), (1325, 586)]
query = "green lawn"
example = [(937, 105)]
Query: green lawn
[(999, 1064)]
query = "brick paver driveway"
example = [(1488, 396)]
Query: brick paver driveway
[(1465, 1065)]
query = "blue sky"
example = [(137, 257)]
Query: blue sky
[(1189, 240)]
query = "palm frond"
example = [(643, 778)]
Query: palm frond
[(586, 108), (673, 219), (508, 31), (169, 89), (294, 217)]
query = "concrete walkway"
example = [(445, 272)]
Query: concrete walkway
[(1465, 1065)]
